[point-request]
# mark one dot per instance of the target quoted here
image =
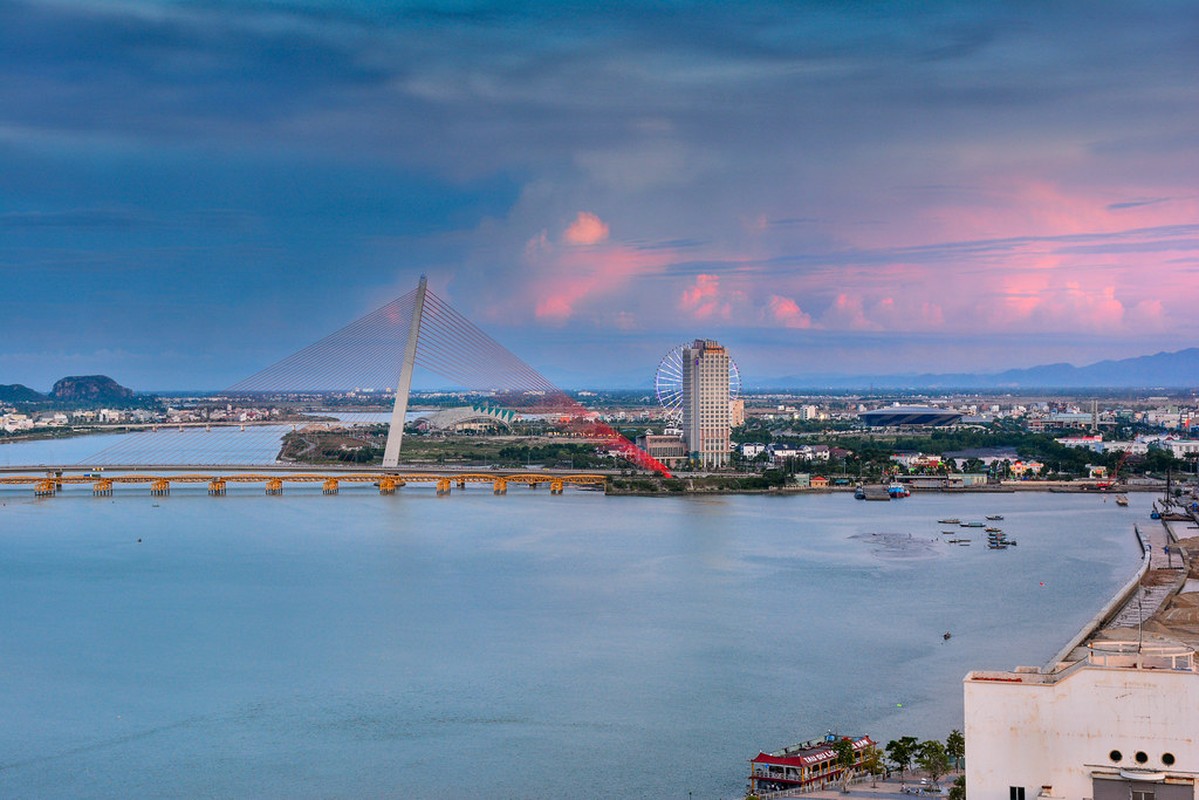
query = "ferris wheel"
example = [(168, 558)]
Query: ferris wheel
[(668, 383)]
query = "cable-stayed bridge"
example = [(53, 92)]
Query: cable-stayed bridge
[(418, 330)]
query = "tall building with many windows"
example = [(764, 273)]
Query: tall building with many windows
[(706, 417)]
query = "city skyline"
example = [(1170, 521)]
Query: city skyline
[(191, 191)]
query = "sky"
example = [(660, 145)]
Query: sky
[(190, 191)]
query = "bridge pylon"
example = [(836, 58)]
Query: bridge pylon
[(395, 432)]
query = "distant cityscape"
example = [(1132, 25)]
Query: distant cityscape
[(789, 436)]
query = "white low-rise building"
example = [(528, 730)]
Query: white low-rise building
[(12, 423), (1183, 448), (1121, 724)]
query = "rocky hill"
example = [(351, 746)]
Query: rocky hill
[(18, 393), (90, 389)]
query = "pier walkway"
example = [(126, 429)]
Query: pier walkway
[(1158, 583)]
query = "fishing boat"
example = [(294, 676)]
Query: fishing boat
[(995, 516), (897, 489), (971, 524), (949, 521), (994, 530)]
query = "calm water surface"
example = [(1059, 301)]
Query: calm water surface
[(515, 647)]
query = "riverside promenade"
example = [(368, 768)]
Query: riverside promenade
[(892, 788), (1159, 580)]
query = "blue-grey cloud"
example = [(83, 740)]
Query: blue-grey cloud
[(278, 167)]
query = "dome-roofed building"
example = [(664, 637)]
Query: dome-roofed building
[(468, 418)]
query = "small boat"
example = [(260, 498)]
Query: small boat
[(995, 516), (994, 530), (897, 489), (949, 521), (1121, 500), (958, 541), (964, 543), (946, 636), (997, 546), (859, 493), (949, 533), (971, 524)]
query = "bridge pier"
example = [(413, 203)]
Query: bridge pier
[(330, 486), (216, 487), (161, 487), (500, 486), (555, 487), (443, 486), (274, 487), (102, 488), (387, 485), (44, 488)]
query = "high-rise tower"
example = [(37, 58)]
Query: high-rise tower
[(706, 419)]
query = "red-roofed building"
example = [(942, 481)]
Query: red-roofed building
[(808, 765)]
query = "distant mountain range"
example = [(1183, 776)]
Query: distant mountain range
[(1177, 370), (75, 390)]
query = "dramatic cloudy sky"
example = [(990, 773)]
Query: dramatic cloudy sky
[(189, 191)]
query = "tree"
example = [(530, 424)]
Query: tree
[(958, 790), (846, 758), (932, 759), (872, 762), (955, 747), (901, 752)]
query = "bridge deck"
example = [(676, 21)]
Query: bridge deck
[(103, 483)]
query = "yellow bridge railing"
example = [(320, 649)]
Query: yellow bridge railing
[(160, 485)]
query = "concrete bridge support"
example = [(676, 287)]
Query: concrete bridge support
[(395, 432)]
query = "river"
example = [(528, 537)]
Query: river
[(520, 646)]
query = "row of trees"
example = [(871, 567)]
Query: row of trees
[(936, 758)]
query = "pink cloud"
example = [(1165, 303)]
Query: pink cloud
[(561, 279), (847, 311), (586, 229), (704, 300), (787, 312)]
